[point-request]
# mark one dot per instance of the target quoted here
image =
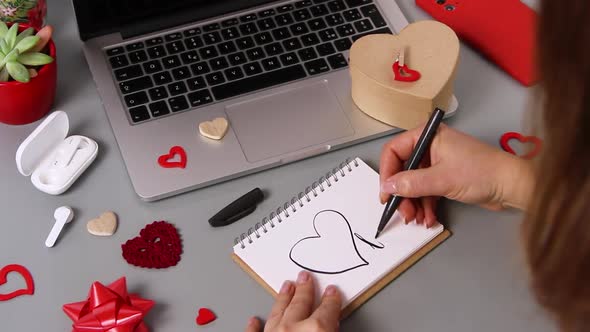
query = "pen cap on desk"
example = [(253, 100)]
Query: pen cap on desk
[(53, 160)]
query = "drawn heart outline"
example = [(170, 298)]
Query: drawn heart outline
[(157, 246), (318, 237), (205, 316), (30, 290), (165, 159), (404, 73), (507, 137)]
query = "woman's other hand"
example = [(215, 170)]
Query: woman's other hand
[(293, 309)]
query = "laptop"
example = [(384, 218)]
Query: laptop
[(276, 70)]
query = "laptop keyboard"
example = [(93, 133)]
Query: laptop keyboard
[(184, 70)]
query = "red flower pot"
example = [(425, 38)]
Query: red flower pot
[(22, 103)]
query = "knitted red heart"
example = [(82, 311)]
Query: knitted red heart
[(165, 160), (24, 273), (404, 73), (157, 246), (205, 316), (523, 139)]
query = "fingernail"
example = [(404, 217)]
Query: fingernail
[(286, 288), (330, 290), (252, 321), (388, 187), (303, 277), (403, 218)]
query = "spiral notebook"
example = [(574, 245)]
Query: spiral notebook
[(329, 230)]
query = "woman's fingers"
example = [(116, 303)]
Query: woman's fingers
[(253, 325), (407, 209), (281, 303), (328, 313), (429, 206), (419, 211), (302, 303), (394, 154)]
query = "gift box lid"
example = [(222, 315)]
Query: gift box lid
[(52, 131)]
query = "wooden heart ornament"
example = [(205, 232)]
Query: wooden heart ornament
[(334, 240), (105, 225), (431, 48), (30, 290), (214, 129)]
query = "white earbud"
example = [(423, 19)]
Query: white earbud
[(65, 156), (62, 215)]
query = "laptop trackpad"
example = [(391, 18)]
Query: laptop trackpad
[(288, 121)]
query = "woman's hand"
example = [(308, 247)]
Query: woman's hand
[(458, 167), (292, 310)]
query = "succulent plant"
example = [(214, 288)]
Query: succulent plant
[(19, 53)]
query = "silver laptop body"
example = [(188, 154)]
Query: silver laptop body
[(270, 127)]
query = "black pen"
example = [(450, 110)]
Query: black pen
[(415, 159)]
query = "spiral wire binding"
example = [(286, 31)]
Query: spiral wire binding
[(298, 201)]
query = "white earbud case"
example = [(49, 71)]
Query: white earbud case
[(54, 161)]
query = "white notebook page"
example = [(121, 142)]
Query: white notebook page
[(323, 237)]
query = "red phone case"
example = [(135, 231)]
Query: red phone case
[(503, 30)]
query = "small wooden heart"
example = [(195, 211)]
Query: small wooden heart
[(214, 129), (105, 225), (431, 48)]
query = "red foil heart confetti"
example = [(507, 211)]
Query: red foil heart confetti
[(109, 309), (507, 137), (30, 290), (404, 73), (166, 159), (158, 246), (205, 316)]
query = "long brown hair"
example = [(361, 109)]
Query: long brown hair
[(556, 229)]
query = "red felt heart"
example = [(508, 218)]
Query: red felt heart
[(157, 246), (24, 273), (505, 139), (404, 73), (205, 316), (165, 160)]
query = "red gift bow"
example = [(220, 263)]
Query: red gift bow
[(109, 309)]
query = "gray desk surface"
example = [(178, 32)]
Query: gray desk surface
[(476, 281)]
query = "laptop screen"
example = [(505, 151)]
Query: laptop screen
[(133, 17)]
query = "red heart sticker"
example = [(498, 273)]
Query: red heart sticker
[(30, 290), (157, 246), (505, 139), (166, 159), (205, 316), (404, 73)]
